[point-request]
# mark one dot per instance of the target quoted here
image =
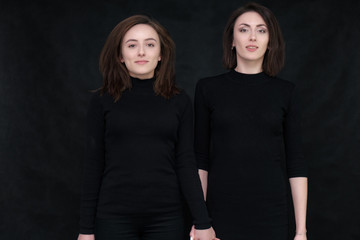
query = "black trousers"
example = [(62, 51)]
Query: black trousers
[(159, 227)]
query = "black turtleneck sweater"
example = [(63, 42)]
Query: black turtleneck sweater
[(139, 157), (246, 126)]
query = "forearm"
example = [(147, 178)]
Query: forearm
[(299, 192), (204, 181)]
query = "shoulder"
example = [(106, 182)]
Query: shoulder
[(282, 83), (210, 82), (96, 97), (181, 103), (181, 98), (209, 87), (283, 87), (287, 89)]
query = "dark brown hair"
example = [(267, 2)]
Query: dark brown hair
[(275, 54), (115, 74)]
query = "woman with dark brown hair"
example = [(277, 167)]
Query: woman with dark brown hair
[(247, 123), (139, 151)]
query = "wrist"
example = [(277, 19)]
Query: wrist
[(303, 232)]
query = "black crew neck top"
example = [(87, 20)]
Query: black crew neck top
[(248, 138)]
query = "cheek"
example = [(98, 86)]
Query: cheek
[(158, 53), (239, 40), (266, 41), (126, 55)]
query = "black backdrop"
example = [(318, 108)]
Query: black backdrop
[(49, 60)]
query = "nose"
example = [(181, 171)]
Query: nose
[(141, 51), (252, 36)]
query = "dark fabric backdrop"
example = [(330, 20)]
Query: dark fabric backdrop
[(49, 60)]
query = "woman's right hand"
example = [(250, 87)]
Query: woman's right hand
[(86, 237)]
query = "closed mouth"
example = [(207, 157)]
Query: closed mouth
[(141, 61)]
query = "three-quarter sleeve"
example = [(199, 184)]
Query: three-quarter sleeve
[(202, 129), (187, 170), (295, 161), (93, 165)]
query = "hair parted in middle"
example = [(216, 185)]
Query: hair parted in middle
[(275, 54), (115, 74)]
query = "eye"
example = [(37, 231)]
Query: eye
[(243, 30), (262, 30), (151, 45), (131, 45)]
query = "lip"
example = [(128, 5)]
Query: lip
[(141, 62), (251, 48)]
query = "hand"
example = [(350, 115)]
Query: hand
[(205, 234), (192, 232), (86, 237), (300, 237)]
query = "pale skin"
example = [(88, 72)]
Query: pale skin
[(141, 49), (86, 237), (251, 40), (299, 190)]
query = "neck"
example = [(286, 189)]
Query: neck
[(249, 67), (142, 76)]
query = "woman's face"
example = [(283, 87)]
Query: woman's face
[(141, 51), (251, 38)]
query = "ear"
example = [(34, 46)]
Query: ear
[(159, 58), (122, 60)]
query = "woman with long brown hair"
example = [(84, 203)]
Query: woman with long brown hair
[(244, 119), (139, 151)]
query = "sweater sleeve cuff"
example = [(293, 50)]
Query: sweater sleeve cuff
[(86, 231), (202, 226)]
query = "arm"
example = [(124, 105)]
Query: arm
[(186, 166), (299, 189), (296, 164), (93, 166), (202, 135), (188, 176)]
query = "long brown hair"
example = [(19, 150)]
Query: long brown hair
[(275, 54), (115, 74)]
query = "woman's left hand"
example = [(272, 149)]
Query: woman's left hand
[(205, 234)]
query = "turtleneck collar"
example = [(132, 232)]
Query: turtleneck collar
[(142, 84), (248, 79), (139, 81)]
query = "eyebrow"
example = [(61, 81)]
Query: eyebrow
[(259, 25), (135, 40)]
